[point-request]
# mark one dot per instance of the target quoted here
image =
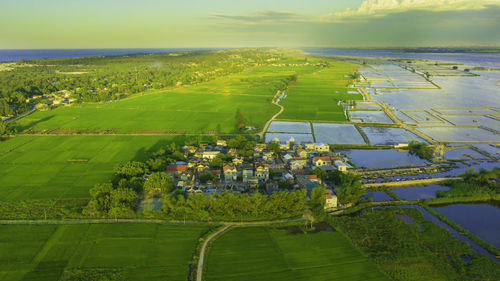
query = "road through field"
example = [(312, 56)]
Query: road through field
[(261, 134)]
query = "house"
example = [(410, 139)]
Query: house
[(322, 161), (268, 155), (201, 168), (260, 147), (262, 172), (210, 154), (341, 166), (191, 149), (238, 161), (233, 152), (216, 172), (302, 153), (310, 146), (175, 169), (313, 178), (284, 145), (298, 164), (288, 157), (230, 173), (247, 174), (330, 200), (221, 143), (321, 147)]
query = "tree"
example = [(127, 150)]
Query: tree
[(318, 201), (320, 173), (101, 199), (5, 129), (206, 177), (156, 164), (420, 149), (158, 183), (131, 169), (274, 147), (217, 162)]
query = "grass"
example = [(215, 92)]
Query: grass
[(210, 106), (315, 96), (134, 251), (269, 253), (38, 168)]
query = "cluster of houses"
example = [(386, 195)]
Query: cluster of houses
[(54, 99), (265, 170)]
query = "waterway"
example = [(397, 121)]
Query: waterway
[(482, 220)]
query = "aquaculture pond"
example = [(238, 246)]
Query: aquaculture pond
[(483, 220), (381, 158), (378, 196), (418, 192)]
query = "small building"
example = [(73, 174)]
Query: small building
[(330, 200), (230, 173), (302, 153), (321, 147), (176, 169), (210, 154), (341, 166), (221, 143), (298, 164), (320, 161), (262, 172), (247, 174)]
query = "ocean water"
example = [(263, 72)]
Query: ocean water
[(15, 55)]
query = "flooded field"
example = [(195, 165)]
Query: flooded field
[(390, 136), (381, 158), (370, 116), (378, 196), (289, 127), (480, 219), (460, 134), (419, 192), (492, 149), (337, 133), (463, 153), (298, 138), (488, 121)]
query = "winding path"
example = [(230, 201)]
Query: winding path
[(268, 123), (199, 270)]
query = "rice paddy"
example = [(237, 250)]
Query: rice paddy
[(98, 251), (273, 253)]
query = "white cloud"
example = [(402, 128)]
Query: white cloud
[(376, 8)]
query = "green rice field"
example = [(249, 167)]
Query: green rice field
[(94, 251), (315, 96), (268, 253), (42, 167)]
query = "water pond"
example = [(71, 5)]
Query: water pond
[(418, 192), (381, 158), (483, 220)]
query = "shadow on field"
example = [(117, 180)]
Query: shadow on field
[(317, 227), (21, 128)]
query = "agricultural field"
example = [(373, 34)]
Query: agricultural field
[(315, 96), (280, 253), (66, 167), (210, 106), (98, 251)]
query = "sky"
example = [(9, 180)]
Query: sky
[(37, 24)]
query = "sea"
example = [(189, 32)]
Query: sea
[(19, 54), (491, 60)]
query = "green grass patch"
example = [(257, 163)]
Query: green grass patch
[(116, 251), (274, 253), (40, 168), (315, 96)]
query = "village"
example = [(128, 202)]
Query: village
[(274, 166)]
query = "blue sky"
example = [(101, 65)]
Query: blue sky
[(223, 23)]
